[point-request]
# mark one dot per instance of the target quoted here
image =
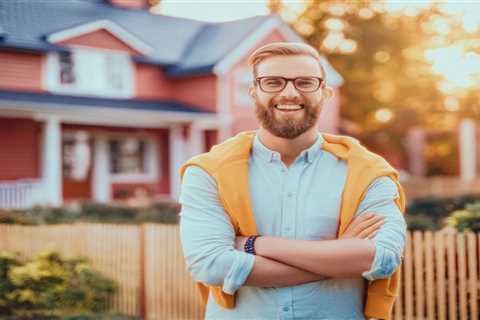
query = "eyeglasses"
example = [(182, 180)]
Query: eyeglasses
[(273, 84)]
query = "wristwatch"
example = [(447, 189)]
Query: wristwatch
[(249, 246)]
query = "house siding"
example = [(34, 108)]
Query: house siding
[(152, 83), (20, 149), (21, 71), (199, 91), (100, 39)]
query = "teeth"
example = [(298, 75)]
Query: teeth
[(289, 106)]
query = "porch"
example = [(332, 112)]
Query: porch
[(97, 153)]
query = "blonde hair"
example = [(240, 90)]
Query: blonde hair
[(283, 49)]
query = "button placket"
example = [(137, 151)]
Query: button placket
[(289, 200)]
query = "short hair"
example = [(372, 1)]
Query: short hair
[(284, 49)]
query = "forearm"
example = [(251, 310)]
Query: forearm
[(271, 273), (344, 258)]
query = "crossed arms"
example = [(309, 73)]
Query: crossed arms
[(213, 255)]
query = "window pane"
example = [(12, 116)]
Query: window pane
[(67, 74), (127, 156)]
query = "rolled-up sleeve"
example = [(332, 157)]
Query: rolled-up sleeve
[(390, 239), (207, 235)]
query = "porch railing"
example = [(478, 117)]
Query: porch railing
[(20, 194)]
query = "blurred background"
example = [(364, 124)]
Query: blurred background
[(101, 101)]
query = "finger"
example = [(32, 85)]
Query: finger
[(365, 224), (361, 222), (362, 218), (372, 220), (372, 235), (365, 232)]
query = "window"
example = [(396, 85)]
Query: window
[(133, 159), (67, 74), (91, 72), (127, 156)]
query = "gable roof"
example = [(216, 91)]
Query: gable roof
[(114, 29), (182, 46), (29, 23)]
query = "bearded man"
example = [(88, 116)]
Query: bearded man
[(286, 222)]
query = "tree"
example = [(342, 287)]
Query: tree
[(388, 59)]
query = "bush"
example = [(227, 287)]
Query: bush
[(430, 213), (466, 220), (96, 316), (51, 286), (421, 222), (160, 212)]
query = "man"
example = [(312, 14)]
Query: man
[(279, 223)]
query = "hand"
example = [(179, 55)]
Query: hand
[(240, 243), (363, 227)]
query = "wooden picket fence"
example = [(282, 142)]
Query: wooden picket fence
[(440, 275)]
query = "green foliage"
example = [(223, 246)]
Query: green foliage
[(93, 316), (50, 286), (466, 220), (160, 212), (430, 213), (421, 222)]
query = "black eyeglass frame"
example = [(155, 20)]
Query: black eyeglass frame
[(287, 80)]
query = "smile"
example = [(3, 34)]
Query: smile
[(289, 107)]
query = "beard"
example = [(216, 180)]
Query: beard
[(287, 127)]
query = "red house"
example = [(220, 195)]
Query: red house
[(102, 100)]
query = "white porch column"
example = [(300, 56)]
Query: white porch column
[(101, 170), (52, 161), (468, 150), (196, 142), (178, 154), (415, 146)]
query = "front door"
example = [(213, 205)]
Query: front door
[(77, 162)]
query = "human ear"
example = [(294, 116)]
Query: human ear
[(328, 92), (251, 92)]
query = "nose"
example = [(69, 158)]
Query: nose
[(289, 91)]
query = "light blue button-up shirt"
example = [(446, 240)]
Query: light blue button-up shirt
[(302, 202)]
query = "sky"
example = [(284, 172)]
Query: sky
[(459, 75), (217, 10)]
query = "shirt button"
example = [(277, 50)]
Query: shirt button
[(286, 309)]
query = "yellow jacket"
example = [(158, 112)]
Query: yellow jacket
[(227, 163)]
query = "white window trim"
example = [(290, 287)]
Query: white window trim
[(153, 173), (52, 69)]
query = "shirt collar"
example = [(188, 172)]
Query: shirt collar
[(309, 155)]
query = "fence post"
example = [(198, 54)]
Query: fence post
[(141, 289)]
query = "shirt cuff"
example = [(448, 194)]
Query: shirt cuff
[(239, 271)]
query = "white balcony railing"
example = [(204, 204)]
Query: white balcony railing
[(20, 194)]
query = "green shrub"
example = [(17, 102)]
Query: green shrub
[(160, 212), (430, 213), (466, 220), (421, 222), (94, 316), (49, 286), (11, 217)]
